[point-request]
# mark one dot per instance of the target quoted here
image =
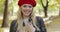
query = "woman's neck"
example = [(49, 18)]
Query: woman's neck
[(25, 17)]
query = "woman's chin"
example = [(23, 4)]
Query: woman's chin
[(26, 14)]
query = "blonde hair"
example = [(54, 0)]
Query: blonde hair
[(20, 20)]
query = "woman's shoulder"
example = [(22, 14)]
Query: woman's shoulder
[(39, 18), (13, 26), (14, 21)]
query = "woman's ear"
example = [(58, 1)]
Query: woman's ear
[(19, 7)]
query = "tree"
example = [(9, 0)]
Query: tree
[(13, 4), (58, 2), (59, 12), (45, 7), (5, 17), (59, 7)]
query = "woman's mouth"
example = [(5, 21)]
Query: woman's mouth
[(27, 12)]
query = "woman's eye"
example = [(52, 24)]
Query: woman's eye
[(29, 6), (24, 6)]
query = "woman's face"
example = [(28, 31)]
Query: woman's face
[(26, 9)]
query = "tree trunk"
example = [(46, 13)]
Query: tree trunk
[(45, 7), (45, 12), (59, 12), (5, 17)]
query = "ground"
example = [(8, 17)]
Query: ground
[(54, 26)]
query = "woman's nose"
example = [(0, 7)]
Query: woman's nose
[(27, 8)]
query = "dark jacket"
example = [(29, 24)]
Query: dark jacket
[(39, 23)]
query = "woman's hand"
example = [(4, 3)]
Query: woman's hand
[(30, 27)]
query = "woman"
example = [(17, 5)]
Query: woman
[(26, 20)]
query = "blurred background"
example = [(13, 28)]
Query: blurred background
[(49, 10)]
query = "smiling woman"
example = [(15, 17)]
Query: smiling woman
[(26, 20), (26, 9)]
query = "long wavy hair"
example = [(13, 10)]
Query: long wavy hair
[(20, 27)]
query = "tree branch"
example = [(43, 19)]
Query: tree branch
[(47, 3), (42, 3)]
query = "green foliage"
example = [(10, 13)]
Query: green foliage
[(38, 6), (38, 1), (2, 6)]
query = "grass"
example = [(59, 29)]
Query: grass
[(1, 29), (0, 22), (54, 26), (4, 29)]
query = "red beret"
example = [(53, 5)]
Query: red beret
[(32, 2)]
